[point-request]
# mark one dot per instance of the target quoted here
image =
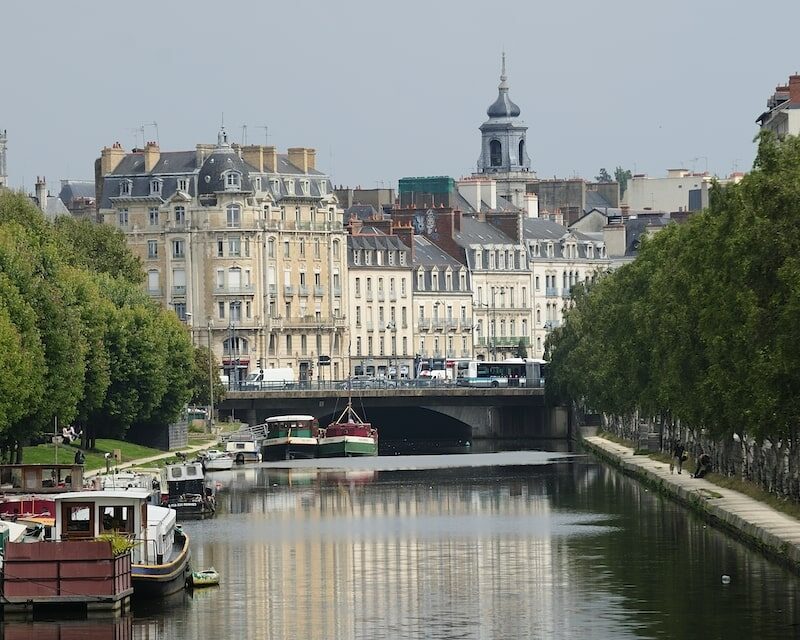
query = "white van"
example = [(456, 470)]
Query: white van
[(269, 378)]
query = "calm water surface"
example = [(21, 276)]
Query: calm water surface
[(506, 545)]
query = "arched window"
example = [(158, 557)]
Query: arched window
[(271, 248), (495, 153), (521, 151)]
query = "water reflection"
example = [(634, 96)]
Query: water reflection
[(517, 545), (120, 628)]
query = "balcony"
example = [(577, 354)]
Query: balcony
[(247, 289), (551, 292), (272, 289), (566, 292), (504, 341), (179, 290), (369, 296), (392, 296), (337, 292), (319, 291), (423, 324), (452, 324), (439, 325), (370, 325), (154, 291), (288, 291), (303, 290), (552, 324), (381, 297)]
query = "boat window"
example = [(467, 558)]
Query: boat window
[(177, 472), (240, 445), (117, 519), (78, 520), (191, 471)]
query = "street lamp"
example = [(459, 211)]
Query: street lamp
[(210, 377)]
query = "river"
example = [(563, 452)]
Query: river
[(523, 544)]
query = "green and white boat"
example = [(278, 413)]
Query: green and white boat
[(290, 437), (348, 436)]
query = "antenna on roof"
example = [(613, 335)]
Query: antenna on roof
[(153, 124), (244, 135), (266, 134)]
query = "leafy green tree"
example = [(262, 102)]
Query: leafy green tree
[(603, 176), (199, 382), (622, 176), (522, 351), (100, 248)]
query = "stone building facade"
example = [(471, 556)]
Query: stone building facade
[(246, 245)]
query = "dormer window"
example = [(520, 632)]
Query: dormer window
[(549, 249), (402, 257), (155, 187), (368, 257), (183, 184), (233, 180), (276, 187), (420, 281), (290, 187), (125, 187), (356, 256), (306, 187), (257, 183), (323, 188), (589, 251)]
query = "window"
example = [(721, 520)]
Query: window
[(183, 184), (391, 258), (125, 188), (236, 311), (271, 248), (152, 214), (232, 180), (358, 316), (403, 285), (356, 257), (155, 187), (220, 279), (287, 252), (335, 249), (180, 310), (495, 153), (152, 249), (234, 212), (358, 288), (234, 279), (316, 249), (257, 183), (358, 345), (180, 215), (368, 257), (289, 345), (235, 246), (302, 248), (220, 248), (323, 188), (402, 257), (122, 216), (290, 187), (178, 249), (297, 215), (78, 519), (405, 345), (221, 310), (153, 281), (304, 185)]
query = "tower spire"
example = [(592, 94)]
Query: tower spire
[(503, 76)]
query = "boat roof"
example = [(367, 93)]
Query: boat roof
[(289, 417), (108, 494)]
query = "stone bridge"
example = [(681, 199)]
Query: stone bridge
[(407, 412)]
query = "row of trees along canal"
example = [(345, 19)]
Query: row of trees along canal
[(80, 341), (699, 337)]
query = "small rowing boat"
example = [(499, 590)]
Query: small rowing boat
[(205, 578)]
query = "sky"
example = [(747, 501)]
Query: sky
[(386, 90)]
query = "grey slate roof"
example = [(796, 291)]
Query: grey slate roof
[(211, 179), (73, 189), (361, 211), (428, 254), (474, 231), (542, 229), (595, 201)]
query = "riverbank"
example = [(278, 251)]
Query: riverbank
[(759, 525)]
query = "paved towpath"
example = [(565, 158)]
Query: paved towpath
[(756, 522), (139, 462)]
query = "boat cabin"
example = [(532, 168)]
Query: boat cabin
[(301, 426), (40, 478), (183, 478), (243, 447)]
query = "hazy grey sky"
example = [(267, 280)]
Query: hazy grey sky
[(384, 90)]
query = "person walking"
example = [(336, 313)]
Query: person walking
[(678, 456)]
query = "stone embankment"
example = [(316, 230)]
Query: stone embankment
[(756, 523)]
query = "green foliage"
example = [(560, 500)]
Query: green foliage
[(79, 340), (200, 378), (603, 176), (622, 176), (120, 543), (522, 351), (704, 326)]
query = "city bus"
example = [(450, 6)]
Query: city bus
[(514, 372)]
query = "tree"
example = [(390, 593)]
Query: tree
[(621, 176), (199, 382), (522, 351), (604, 176)]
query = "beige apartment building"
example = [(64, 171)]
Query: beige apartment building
[(245, 244)]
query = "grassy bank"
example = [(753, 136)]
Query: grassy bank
[(95, 458)]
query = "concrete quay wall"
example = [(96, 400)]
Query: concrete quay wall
[(773, 533)]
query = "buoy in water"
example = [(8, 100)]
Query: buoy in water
[(726, 579)]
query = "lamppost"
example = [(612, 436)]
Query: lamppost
[(210, 377)]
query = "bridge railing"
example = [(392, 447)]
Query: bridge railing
[(372, 383)]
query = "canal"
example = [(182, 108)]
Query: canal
[(522, 544)]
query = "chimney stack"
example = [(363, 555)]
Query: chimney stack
[(794, 89), (41, 193), (271, 159), (110, 157), (151, 155), (299, 158), (254, 156)]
